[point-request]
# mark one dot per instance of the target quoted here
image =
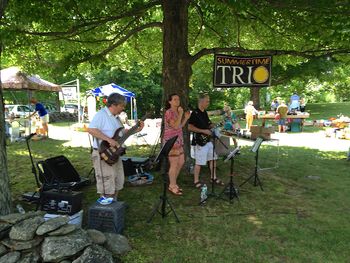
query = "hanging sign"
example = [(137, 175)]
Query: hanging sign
[(231, 71), (69, 93)]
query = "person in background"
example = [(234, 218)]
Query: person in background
[(174, 120), (282, 111), (230, 119), (109, 178), (250, 112), (8, 120), (43, 114), (294, 102), (274, 105), (302, 104)]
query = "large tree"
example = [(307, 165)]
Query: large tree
[(59, 35)]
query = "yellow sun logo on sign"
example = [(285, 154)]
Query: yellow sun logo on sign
[(260, 74)]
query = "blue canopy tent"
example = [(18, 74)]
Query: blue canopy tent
[(108, 89)]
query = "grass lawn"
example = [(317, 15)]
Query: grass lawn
[(302, 216)]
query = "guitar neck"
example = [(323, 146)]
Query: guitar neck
[(130, 132)]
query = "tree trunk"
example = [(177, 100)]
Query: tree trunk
[(5, 195), (177, 63), (255, 96)]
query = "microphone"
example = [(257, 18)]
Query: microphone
[(30, 136)]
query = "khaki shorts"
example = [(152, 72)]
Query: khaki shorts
[(109, 179), (45, 119)]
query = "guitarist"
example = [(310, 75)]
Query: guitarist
[(109, 178), (200, 125)]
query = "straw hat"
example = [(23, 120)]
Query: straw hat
[(227, 108)]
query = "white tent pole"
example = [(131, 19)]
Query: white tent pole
[(78, 90), (131, 115)]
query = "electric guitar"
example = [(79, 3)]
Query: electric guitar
[(110, 154), (203, 139)]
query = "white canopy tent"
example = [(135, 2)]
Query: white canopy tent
[(14, 79), (108, 89)]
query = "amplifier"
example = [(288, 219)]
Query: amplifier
[(61, 202), (107, 218)]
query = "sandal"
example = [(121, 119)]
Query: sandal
[(198, 185), (217, 181), (174, 191), (178, 188)]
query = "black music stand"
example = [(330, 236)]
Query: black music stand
[(255, 149), (163, 199), (231, 186)]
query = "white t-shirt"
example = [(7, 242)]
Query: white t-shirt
[(106, 122)]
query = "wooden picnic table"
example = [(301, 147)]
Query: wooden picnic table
[(272, 116)]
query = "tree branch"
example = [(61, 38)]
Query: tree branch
[(74, 30), (200, 13), (242, 51), (119, 42)]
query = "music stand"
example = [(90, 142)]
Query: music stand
[(231, 186), (163, 199), (255, 149)]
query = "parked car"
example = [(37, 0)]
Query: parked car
[(51, 108), (71, 108), (18, 111)]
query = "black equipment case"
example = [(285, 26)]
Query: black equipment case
[(58, 172), (61, 202)]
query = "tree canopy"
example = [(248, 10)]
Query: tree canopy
[(57, 36)]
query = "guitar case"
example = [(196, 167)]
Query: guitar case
[(58, 172)]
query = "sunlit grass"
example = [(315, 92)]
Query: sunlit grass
[(302, 216)]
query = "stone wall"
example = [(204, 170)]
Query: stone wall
[(28, 238)]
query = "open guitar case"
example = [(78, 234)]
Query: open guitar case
[(55, 173), (58, 172)]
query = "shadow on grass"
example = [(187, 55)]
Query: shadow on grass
[(302, 215)]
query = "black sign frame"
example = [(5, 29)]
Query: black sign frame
[(254, 71)]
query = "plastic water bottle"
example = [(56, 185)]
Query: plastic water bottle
[(204, 193), (20, 209)]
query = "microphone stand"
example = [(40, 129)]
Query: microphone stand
[(34, 171), (213, 170)]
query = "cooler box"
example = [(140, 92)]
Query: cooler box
[(295, 127), (107, 218)]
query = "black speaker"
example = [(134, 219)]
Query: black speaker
[(61, 202), (59, 170)]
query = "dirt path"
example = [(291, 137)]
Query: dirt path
[(150, 135)]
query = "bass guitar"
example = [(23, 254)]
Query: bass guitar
[(110, 154), (203, 139)]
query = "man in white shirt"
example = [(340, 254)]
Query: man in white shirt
[(109, 179)]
